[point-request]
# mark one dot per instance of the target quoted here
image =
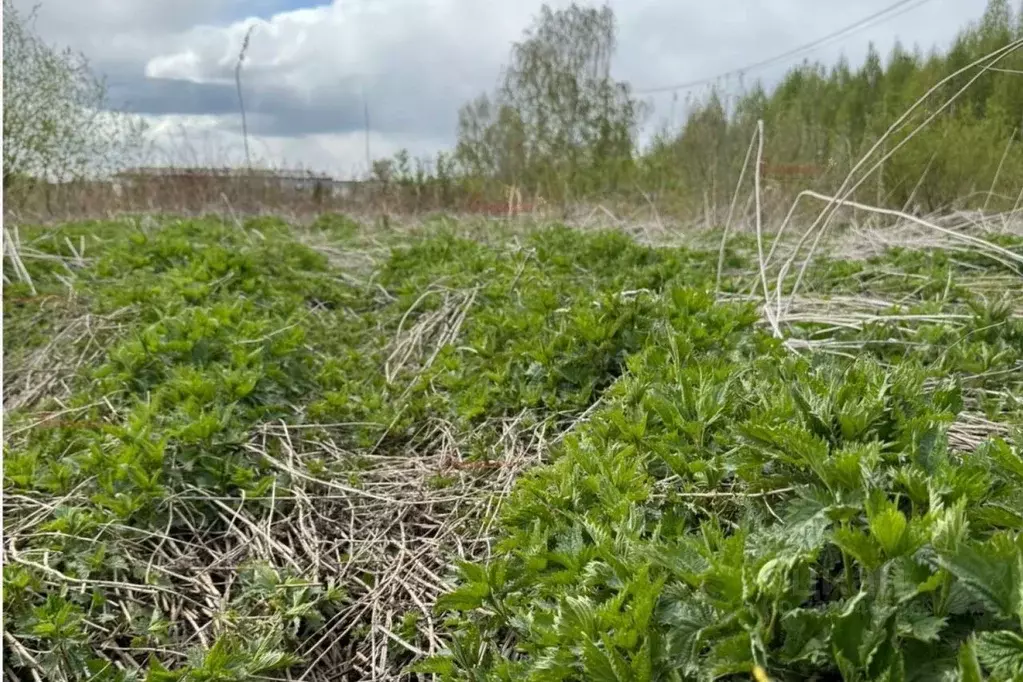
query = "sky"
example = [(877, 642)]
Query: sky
[(314, 71)]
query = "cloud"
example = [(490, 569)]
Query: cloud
[(307, 71), (312, 72), (205, 140)]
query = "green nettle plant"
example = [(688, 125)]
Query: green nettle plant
[(805, 518), (703, 503)]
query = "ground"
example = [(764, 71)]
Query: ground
[(484, 450)]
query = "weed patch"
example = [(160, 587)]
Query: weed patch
[(260, 451)]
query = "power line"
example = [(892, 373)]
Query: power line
[(885, 14)]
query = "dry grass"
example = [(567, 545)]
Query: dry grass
[(77, 338), (387, 542)]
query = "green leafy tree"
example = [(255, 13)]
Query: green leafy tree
[(558, 122), (57, 125)]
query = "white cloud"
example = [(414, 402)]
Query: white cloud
[(205, 140), (185, 65), (451, 48)]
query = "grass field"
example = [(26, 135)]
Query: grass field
[(239, 450)]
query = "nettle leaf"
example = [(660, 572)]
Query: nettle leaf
[(1007, 458), (1002, 653), (434, 665), (597, 664), (924, 628), (806, 633), (471, 572), (464, 598), (724, 585), (849, 631), (684, 560), (1000, 516), (157, 672), (851, 467), (950, 529), (970, 481), (926, 443), (992, 570), (642, 668), (863, 640), (468, 648), (860, 546), (913, 481), (581, 612), (815, 411), (969, 664), (891, 530), (731, 655), (948, 396), (267, 661), (684, 621), (806, 524), (644, 594), (911, 578)]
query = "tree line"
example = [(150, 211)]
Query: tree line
[(561, 127)]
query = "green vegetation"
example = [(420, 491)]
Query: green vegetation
[(558, 121), (128, 471), (969, 155), (561, 128), (229, 446), (733, 506)]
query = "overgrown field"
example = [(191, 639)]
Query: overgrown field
[(238, 451)]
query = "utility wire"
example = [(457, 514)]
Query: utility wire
[(878, 17)]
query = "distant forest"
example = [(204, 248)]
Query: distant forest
[(558, 126), (831, 116)]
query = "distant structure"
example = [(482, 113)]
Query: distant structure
[(285, 180)]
